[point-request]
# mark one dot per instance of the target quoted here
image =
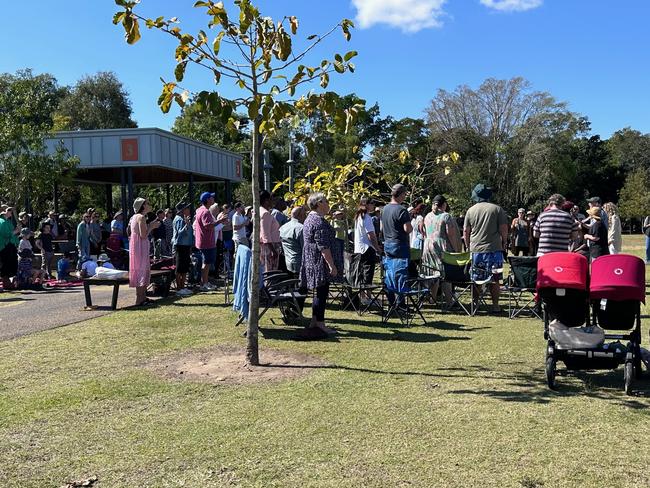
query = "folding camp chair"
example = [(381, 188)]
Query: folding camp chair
[(521, 285), (405, 296), (457, 267)]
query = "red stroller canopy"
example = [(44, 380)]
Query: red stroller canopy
[(562, 270), (618, 277)]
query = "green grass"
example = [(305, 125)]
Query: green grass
[(461, 402)]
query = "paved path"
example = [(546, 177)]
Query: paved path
[(27, 312)]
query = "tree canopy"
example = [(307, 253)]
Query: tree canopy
[(95, 102)]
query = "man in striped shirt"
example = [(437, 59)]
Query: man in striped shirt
[(555, 228)]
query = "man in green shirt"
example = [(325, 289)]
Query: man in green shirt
[(486, 236)]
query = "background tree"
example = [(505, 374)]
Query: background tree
[(27, 103), (256, 52), (635, 195), (99, 101)]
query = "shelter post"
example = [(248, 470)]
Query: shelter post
[(228, 190), (190, 193), (109, 199), (123, 199), (129, 179)]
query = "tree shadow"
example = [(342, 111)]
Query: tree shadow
[(435, 324), (382, 335)]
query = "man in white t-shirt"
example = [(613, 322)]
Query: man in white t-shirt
[(239, 223), (365, 243)]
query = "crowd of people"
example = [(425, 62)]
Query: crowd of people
[(307, 242)]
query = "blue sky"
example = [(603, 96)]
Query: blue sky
[(593, 54)]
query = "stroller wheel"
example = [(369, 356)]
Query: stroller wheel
[(550, 371), (628, 375)]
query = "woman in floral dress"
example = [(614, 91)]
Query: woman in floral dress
[(442, 235), (322, 258)]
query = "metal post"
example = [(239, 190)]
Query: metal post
[(228, 190), (190, 193), (129, 189), (123, 200), (267, 169), (56, 198), (292, 168), (109, 199)]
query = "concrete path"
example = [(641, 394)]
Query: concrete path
[(27, 312)]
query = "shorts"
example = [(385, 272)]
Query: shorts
[(183, 260), (484, 264), (209, 255)]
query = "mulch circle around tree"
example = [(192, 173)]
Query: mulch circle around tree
[(226, 365)]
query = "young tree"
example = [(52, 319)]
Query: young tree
[(253, 51)]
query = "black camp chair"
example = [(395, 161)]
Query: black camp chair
[(521, 287)]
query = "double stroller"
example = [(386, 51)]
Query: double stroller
[(579, 307)]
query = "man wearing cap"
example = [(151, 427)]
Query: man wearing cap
[(396, 227), (604, 218), (204, 224), (486, 236), (182, 242)]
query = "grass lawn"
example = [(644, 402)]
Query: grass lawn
[(461, 402)]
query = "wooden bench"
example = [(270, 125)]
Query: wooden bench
[(163, 277)]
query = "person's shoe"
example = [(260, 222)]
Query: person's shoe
[(205, 288), (212, 286), (183, 292)]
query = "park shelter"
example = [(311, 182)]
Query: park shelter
[(130, 157)]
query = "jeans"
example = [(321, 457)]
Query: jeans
[(320, 300), (647, 249)]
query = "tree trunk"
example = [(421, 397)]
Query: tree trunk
[(252, 348)]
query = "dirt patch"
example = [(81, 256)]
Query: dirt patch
[(226, 365)]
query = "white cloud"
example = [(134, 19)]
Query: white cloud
[(512, 5), (407, 15)]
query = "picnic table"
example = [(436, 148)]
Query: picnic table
[(162, 276)]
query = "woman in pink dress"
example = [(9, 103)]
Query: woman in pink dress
[(139, 263)]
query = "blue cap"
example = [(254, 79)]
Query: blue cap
[(206, 195)]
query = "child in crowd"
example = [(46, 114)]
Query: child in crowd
[(44, 244), (25, 243), (65, 265), (27, 276), (88, 268), (104, 261)]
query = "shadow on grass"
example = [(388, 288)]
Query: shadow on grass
[(435, 324), (284, 334), (532, 388)]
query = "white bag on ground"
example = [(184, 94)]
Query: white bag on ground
[(102, 273), (576, 337)]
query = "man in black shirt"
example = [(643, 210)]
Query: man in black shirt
[(396, 224)]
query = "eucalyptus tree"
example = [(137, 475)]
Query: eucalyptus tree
[(257, 54)]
